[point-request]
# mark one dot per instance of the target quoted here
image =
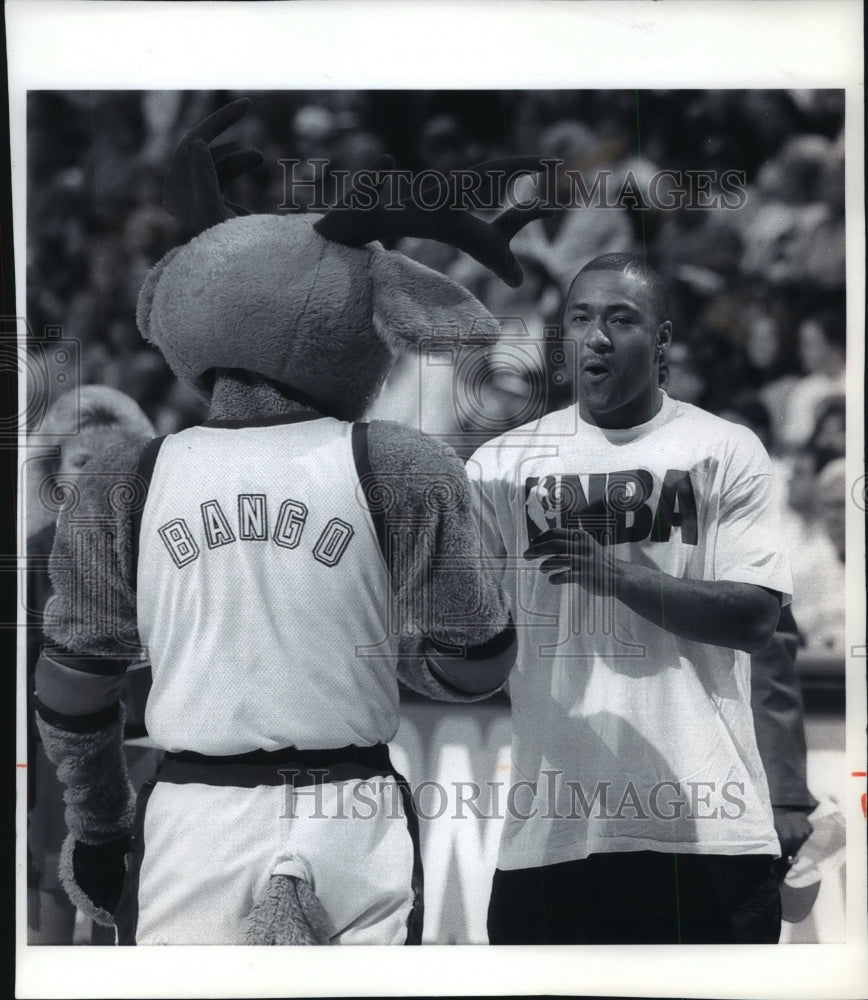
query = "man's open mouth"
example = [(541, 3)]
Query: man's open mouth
[(595, 369)]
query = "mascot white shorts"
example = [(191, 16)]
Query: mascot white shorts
[(210, 832)]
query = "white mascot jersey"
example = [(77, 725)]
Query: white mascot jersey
[(263, 594)]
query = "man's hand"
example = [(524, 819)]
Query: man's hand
[(724, 613), (793, 828), (574, 556)]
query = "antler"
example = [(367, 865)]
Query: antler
[(486, 242), (193, 191), (199, 173)]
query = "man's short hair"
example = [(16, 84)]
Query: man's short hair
[(635, 266)]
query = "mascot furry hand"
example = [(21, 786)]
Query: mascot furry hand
[(273, 561)]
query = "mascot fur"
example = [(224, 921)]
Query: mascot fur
[(289, 325)]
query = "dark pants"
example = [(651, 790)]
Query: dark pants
[(642, 897)]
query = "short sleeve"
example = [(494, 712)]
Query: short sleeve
[(749, 545)]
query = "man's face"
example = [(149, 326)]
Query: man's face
[(611, 320)]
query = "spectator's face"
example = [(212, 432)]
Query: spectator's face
[(78, 451), (610, 320)]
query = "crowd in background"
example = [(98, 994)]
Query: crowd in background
[(757, 291)]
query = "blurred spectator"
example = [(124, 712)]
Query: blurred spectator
[(821, 352), (702, 252), (829, 438), (818, 565), (684, 381), (785, 205), (769, 367), (574, 235), (802, 516), (799, 522), (82, 424), (526, 310), (832, 498), (820, 243)]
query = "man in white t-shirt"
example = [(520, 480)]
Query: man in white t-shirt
[(636, 544)]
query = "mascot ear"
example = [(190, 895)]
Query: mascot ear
[(412, 303), (146, 295)]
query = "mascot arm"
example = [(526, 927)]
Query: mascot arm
[(458, 639), (91, 624)]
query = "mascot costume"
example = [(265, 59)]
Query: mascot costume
[(284, 566)]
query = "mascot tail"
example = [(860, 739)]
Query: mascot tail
[(287, 912)]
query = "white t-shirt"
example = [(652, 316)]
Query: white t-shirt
[(627, 737)]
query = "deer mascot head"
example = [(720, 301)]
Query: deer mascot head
[(312, 303)]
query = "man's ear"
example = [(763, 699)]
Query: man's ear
[(412, 303), (664, 336)]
